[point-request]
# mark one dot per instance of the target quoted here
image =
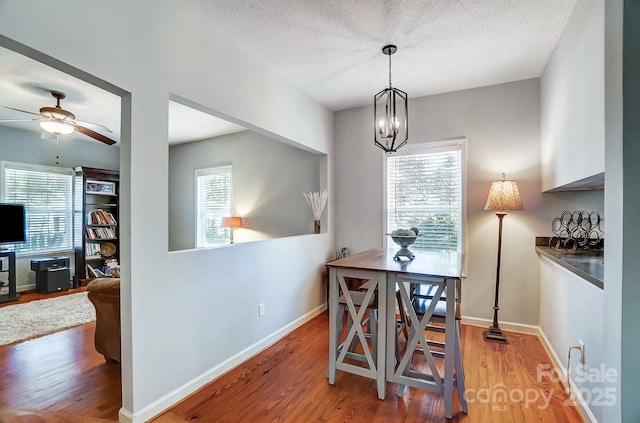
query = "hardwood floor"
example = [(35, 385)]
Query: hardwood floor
[(60, 378), (286, 383)]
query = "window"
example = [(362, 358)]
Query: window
[(213, 199), (46, 193), (424, 190)]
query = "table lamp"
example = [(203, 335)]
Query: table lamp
[(231, 223), (504, 195)]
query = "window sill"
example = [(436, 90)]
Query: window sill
[(43, 253)]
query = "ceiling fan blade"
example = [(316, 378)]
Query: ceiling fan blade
[(23, 111), (94, 134), (19, 120), (96, 126)]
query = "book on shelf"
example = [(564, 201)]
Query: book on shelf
[(100, 233), (94, 272), (100, 217), (92, 249), (105, 272), (111, 262)]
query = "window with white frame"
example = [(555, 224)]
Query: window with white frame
[(213, 198), (47, 193), (424, 190)]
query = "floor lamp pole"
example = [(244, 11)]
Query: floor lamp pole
[(494, 333)]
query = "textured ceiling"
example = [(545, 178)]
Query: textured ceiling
[(331, 50), (26, 84)]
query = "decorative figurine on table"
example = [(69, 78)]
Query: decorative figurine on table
[(404, 238)]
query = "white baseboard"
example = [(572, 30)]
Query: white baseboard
[(583, 408), (170, 399), (514, 327), (125, 415)]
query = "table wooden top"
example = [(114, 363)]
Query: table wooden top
[(438, 264)]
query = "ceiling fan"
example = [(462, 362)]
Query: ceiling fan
[(58, 121)]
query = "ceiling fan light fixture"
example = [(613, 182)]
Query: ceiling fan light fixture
[(58, 121), (390, 114), (56, 113), (57, 127)]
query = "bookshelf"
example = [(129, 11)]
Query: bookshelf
[(96, 231)]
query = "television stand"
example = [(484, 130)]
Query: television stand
[(11, 276)]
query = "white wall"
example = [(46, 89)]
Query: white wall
[(23, 146), (268, 180), (573, 148), (501, 124), (177, 308), (572, 100), (572, 309)]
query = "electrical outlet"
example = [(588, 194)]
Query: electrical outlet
[(261, 310), (582, 360)]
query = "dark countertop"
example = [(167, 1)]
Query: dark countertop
[(588, 264)]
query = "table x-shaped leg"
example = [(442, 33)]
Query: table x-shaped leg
[(403, 375), (338, 353)]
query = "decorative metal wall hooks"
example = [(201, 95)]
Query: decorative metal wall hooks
[(578, 229)]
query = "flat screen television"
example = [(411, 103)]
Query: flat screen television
[(12, 223)]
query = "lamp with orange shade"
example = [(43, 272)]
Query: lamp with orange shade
[(231, 223)]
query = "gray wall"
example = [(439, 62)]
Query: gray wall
[(268, 179), (501, 124), (622, 201), (23, 146), (502, 127)]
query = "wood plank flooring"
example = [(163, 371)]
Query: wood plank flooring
[(60, 378), (286, 383)]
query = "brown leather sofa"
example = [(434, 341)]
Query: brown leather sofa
[(104, 293)]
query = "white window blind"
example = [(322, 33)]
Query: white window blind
[(213, 203), (46, 193), (424, 190)]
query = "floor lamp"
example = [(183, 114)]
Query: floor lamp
[(503, 196)]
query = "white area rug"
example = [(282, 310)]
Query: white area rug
[(35, 318)]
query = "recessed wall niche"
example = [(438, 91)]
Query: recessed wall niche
[(268, 176)]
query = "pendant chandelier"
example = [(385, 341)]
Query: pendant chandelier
[(390, 114)]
